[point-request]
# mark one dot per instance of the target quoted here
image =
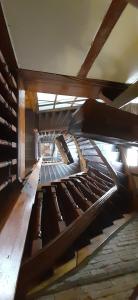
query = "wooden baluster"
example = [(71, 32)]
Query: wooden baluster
[(99, 187), (99, 180), (87, 193), (103, 176), (59, 217), (49, 222), (70, 210), (79, 198), (102, 186), (94, 188), (36, 235), (71, 200), (100, 176)]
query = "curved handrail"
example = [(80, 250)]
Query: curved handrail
[(47, 256), (13, 236)]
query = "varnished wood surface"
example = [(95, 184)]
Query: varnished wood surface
[(114, 12), (101, 122), (49, 254), (13, 235), (6, 45), (129, 94), (37, 81)]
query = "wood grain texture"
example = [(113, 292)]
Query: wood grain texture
[(114, 12), (46, 258), (37, 81), (104, 123), (13, 235)]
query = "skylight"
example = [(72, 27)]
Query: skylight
[(48, 101), (62, 105), (78, 103), (46, 96), (47, 107), (65, 98)]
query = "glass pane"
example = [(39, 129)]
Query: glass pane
[(62, 105), (81, 98), (65, 98), (47, 107), (44, 103), (78, 103), (46, 96)]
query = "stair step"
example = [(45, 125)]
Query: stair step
[(110, 229)]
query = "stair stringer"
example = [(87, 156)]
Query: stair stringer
[(81, 259)]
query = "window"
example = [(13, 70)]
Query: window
[(132, 157), (48, 101)]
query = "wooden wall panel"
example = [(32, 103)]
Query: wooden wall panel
[(30, 125)]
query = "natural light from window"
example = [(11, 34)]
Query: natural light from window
[(48, 101), (132, 157)]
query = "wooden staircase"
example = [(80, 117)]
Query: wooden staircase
[(67, 216), (54, 171)]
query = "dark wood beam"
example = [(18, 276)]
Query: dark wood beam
[(37, 81), (129, 94), (114, 12), (104, 123)]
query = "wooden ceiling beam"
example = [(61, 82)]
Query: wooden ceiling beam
[(125, 97), (114, 12), (36, 81)]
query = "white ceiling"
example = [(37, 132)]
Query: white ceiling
[(55, 36), (118, 60)]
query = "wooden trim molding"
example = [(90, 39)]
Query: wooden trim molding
[(36, 81), (13, 236)]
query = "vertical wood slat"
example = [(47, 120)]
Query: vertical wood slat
[(36, 234)]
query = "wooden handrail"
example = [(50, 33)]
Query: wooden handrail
[(13, 236), (34, 269), (106, 162)]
